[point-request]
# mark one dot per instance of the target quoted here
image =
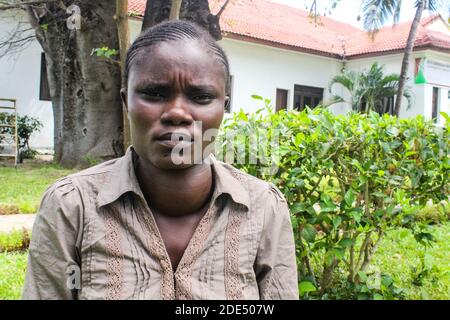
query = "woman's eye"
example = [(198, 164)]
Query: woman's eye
[(202, 98), (153, 95)]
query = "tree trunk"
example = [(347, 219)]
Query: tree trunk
[(197, 11), (124, 40), (406, 56), (175, 10), (87, 108)]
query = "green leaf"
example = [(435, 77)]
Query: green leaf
[(355, 214), (336, 222), (297, 207), (403, 234), (339, 253), (299, 137), (386, 281), (346, 242), (393, 131), (362, 276), (256, 97), (306, 286), (309, 233), (364, 288), (446, 116), (349, 197), (377, 296)]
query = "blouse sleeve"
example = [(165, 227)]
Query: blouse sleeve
[(276, 266), (53, 269)]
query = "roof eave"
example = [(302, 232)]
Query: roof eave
[(235, 36), (395, 51)]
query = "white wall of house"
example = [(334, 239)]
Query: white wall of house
[(20, 80), (259, 69), (440, 26), (135, 26), (437, 74), (422, 93)]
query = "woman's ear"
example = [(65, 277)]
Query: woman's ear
[(123, 96), (227, 102)]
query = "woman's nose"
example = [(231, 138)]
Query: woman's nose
[(176, 112)]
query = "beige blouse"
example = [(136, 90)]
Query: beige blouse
[(95, 238)]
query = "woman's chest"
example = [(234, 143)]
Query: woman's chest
[(127, 255)]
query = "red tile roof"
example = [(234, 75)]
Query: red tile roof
[(393, 38), (137, 7), (283, 26)]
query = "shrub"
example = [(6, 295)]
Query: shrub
[(348, 180), (26, 126)]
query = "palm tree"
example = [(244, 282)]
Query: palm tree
[(376, 12), (368, 89)]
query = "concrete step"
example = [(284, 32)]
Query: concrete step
[(12, 222)]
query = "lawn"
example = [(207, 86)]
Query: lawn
[(22, 187), (423, 273), (12, 274)]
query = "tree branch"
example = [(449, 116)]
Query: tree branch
[(370, 251), (222, 9), (175, 10), (362, 249)]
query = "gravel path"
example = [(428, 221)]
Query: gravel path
[(16, 221)]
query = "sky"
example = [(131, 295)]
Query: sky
[(347, 10)]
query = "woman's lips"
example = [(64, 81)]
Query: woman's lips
[(174, 143), (173, 139)]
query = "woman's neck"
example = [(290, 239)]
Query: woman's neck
[(175, 192)]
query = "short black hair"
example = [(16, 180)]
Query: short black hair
[(171, 31)]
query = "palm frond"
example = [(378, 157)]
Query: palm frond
[(431, 5), (334, 99), (376, 12), (408, 94), (347, 80)]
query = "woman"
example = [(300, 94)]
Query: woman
[(160, 224)]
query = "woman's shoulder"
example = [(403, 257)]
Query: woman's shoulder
[(259, 189), (88, 178)]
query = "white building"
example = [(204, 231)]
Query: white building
[(276, 52)]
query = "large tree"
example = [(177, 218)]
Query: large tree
[(376, 12), (89, 122), (198, 11), (84, 88)]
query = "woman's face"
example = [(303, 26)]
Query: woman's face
[(176, 91)]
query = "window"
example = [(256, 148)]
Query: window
[(435, 104), (44, 90), (388, 105), (282, 97), (307, 96)]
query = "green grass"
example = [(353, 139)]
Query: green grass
[(14, 241), (12, 274), (423, 273), (22, 187)]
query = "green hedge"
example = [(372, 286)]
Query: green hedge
[(348, 180)]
